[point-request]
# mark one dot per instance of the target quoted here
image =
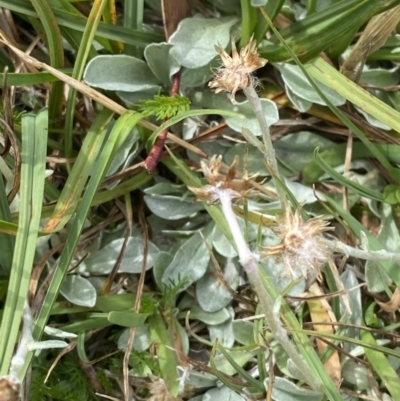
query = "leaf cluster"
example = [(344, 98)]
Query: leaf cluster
[(164, 106)]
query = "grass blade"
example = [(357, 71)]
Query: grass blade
[(34, 147)]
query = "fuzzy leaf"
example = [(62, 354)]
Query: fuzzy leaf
[(102, 261), (299, 85), (79, 291), (195, 38), (119, 73), (160, 61), (189, 264)]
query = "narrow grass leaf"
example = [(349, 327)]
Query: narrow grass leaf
[(354, 186), (56, 53), (7, 242), (34, 147), (73, 21), (81, 58), (83, 167), (381, 366), (99, 170)]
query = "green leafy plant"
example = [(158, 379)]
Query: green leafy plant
[(164, 106), (169, 296)]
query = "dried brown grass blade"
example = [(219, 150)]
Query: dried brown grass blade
[(378, 29)]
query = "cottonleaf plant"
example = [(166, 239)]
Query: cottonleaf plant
[(302, 246), (300, 241)]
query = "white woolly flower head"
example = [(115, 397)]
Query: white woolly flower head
[(301, 245)]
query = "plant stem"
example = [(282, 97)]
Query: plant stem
[(269, 154), (154, 155), (249, 262), (338, 246)]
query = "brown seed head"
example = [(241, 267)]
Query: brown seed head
[(236, 73), (159, 390), (237, 188), (9, 388)]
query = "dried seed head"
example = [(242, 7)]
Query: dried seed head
[(159, 390), (9, 388), (237, 188), (236, 73), (301, 244)]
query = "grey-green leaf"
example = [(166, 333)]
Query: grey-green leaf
[(78, 291), (250, 121), (102, 261), (171, 207), (222, 394), (195, 38), (119, 73), (212, 319), (299, 85), (160, 61), (189, 264), (285, 390)]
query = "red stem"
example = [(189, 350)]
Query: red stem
[(153, 156)]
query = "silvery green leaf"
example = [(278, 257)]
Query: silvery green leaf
[(240, 357), (211, 318), (350, 283), (259, 3), (299, 85), (142, 339), (171, 207), (200, 379), (119, 73), (197, 398), (52, 331), (255, 163), (394, 361), (243, 332), (78, 291), (223, 332), (372, 120), (296, 150), (285, 390), (211, 148), (250, 121), (302, 193), (48, 344), (222, 394), (123, 152), (389, 237), (195, 39), (194, 77), (134, 98), (165, 188), (282, 359), (222, 244), (300, 103), (211, 294), (102, 261), (160, 61), (189, 263), (380, 76), (161, 262), (275, 270), (356, 374)]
